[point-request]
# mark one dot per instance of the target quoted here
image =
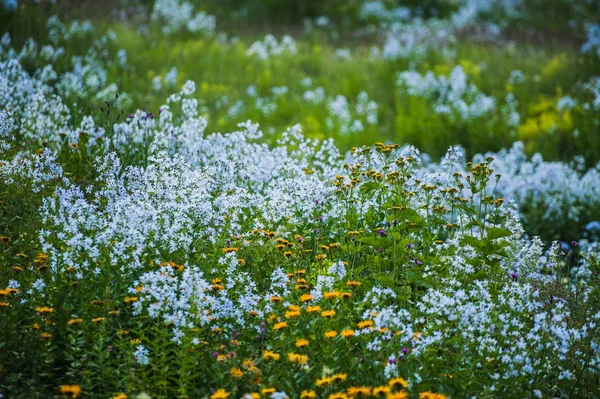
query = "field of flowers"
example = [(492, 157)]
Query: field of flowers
[(252, 199)]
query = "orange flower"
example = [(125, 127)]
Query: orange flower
[(328, 313), (331, 334), (313, 309), (301, 343), (297, 358), (280, 325), (73, 390), (220, 394), (270, 355), (306, 298)]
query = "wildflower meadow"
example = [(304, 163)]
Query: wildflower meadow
[(244, 199)]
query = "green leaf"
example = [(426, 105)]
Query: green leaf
[(494, 233)]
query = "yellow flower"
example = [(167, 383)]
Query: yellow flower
[(365, 324), (398, 383), (308, 395), (431, 395), (339, 377), (301, 343), (313, 309), (280, 325), (397, 395), (228, 250), (4, 304), (306, 298), (353, 283), (268, 391), (275, 299), (323, 382), (75, 321), (270, 355), (328, 313), (236, 372), (331, 295), (381, 391), (46, 335), (252, 395), (98, 319), (331, 334), (359, 391), (121, 395), (297, 358), (130, 299), (220, 394), (338, 395), (135, 341), (346, 295), (43, 310), (73, 390), (347, 333), (321, 257), (291, 314)]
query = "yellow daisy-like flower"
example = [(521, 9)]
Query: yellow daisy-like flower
[(301, 343), (331, 295), (228, 250), (365, 324), (339, 377), (220, 394), (72, 390), (297, 358), (321, 257), (280, 325), (323, 382), (350, 283), (359, 391), (398, 383), (4, 304), (121, 395), (270, 355), (275, 299), (252, 395), (328, 313), (236, 372), (313, 309), (431, 395), (73, 322), (130, 299), (381, 391), (268, 391), (46, 335), (308, 394), (330, 334), (397, 395), (292, 314), (306, 298), (346, 295), (43, 310), (338, 395), (347, 333)]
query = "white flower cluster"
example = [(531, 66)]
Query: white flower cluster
[(175, 15), (451, 95), (592, 45), (271, 47)]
